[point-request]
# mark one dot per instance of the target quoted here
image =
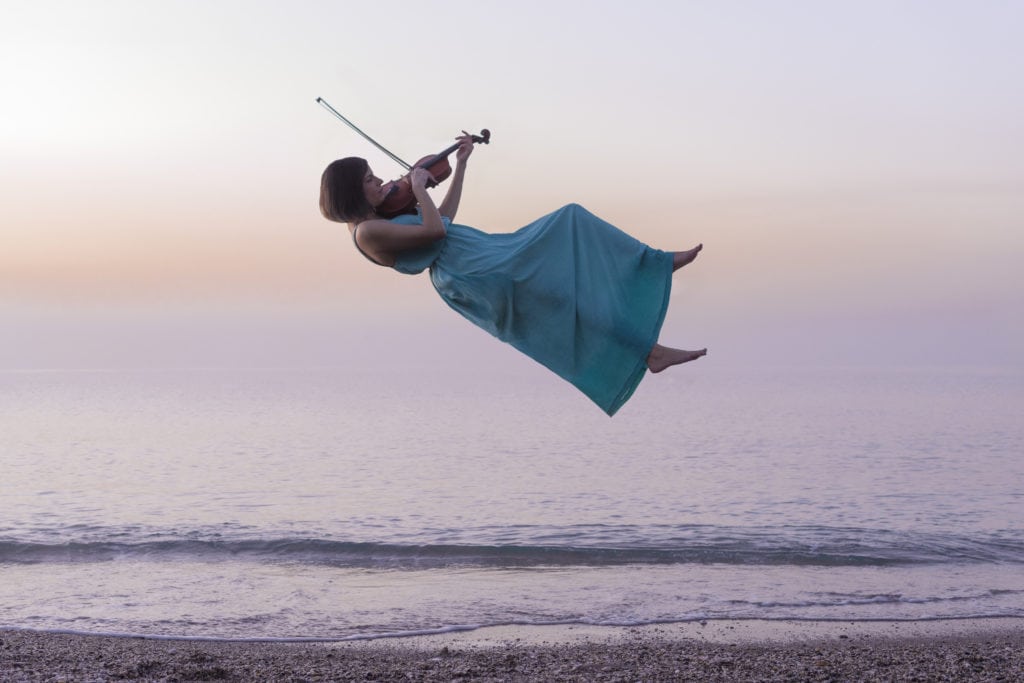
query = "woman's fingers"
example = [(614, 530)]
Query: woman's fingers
[(419, 177), (465, 145)]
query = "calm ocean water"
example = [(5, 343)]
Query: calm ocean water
[(335, 504)]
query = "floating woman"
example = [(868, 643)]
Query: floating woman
[(569, 290)]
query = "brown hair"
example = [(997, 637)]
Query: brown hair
[(342, 198)]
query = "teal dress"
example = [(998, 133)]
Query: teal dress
[(569, 290)]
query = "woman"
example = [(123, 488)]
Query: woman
[(569, 290)]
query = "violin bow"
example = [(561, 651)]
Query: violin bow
[(322, 102)]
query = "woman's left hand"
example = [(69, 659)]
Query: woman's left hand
[(465, 147)]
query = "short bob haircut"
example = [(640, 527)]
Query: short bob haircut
[(342, 198)]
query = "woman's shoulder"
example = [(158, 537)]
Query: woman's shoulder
[(384, 224), (372, 224), (373, 230)]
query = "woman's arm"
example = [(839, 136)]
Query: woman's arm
[(384, 239), (450, 205)]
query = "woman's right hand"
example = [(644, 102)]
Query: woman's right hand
[(432, 223), (419, 177)]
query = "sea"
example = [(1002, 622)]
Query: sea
[(359, 503)]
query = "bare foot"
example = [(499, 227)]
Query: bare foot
[(662, 357), (681, 258)]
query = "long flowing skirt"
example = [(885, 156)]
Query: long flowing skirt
[(570, 290)]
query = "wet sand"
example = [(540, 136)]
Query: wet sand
[(955, 650)]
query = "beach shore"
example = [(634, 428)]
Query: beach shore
[(955, 650)]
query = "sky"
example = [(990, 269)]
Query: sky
[(855, 171)]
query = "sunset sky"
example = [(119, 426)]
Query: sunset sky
[(854, 169)]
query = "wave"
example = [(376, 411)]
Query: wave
[(595, 545)]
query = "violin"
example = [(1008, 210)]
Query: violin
[(400, 199)]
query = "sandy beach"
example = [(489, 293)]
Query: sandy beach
[(956, 650)]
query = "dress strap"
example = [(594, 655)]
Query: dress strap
[(355, 241)]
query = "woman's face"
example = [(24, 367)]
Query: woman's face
[(373, 188)]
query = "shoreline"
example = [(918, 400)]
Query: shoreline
[(724, 631), (733, 650)]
